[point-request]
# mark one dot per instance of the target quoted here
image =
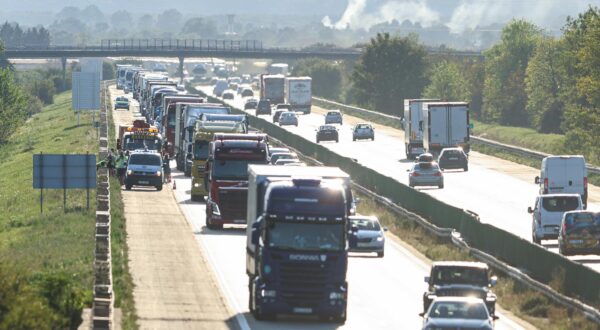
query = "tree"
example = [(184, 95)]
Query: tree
[(504, 91), (121, 20), (447, 83), (200, 27), (543, 81), (146, 22), (326, 76), (169, 21), (390, 70), (12, 104)]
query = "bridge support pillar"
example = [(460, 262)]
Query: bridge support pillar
[(181, 59), (63, 62)]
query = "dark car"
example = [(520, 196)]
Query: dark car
[(277, 114), (250, 104), (327, 133), (453, 158), (284, 106), (579, 233), (460, 279), (263, 107)]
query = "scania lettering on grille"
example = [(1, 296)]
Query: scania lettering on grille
[(308, 257)]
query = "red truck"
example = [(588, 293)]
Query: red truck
[(227, 171), (168, 122)]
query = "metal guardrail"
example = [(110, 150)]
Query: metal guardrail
[(507, 147)]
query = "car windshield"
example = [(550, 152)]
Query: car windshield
[(288, 114), (232, 169), (306, 236), (578, 223), (560, 203), (366, 224), (460, 275), (142, 159), (458, 310), (201, 149), (333, 113)]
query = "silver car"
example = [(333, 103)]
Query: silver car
[(369, 234), (333, 117), (457, 313), (288, 118), (425, 174), (363, 131), (282, 155)]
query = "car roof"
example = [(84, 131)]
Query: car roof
[(473, 264), (284, 153)]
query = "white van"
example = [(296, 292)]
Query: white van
[(563, 175), (548, 212)]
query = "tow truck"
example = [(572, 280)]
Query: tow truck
[(227, 176), (140, 135)]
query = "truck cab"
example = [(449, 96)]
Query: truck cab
[(302, 229), (227, 176), (460, 279)]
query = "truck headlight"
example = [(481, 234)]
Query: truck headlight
[(196, 185), (337, 295), (269, 293), (215, 209), (129, 172), (158, 173)]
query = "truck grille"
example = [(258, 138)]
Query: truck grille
[(364, 240), (232, 203), (461, 293), (303, 283)]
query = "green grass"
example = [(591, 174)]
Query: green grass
[(527, 304), (122, 281), (57, 241)]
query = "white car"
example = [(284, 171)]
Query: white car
[(457, 313), (548, 212)]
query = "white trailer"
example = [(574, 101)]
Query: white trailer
[(445, 125), (413, 127), (298, 93)]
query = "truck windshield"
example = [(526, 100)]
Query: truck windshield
[(306, 236), (131, 144), (460, 275), (232, 169), (201, 150)]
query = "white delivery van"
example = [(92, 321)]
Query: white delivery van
[(563, 175)]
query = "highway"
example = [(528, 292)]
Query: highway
[(499, 191), (383, 293)]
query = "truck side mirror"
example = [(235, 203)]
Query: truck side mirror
[(255, 233), (493, 280), (529, 210), (426, 278), (537, 180)]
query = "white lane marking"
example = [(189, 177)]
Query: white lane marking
[(240, 317)]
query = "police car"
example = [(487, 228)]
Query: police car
[(144, 168)]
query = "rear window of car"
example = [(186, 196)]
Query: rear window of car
[(333, 113), (560, 204), (451, 153), (326, 128), (577, 222), (426, 167)]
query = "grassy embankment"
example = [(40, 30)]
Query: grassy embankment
[(122, 281), (58, 242)]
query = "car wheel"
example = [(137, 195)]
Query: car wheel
[(441, 186), (466, 168), (535, 240), (380, 254), (159, 187), (318, 141), (337, 140), (353, 139), (128, 187)]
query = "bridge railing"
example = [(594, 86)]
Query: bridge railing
[(178, 44)]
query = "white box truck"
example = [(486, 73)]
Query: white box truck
[(413, 127), (565, 174), (298, 93), (445, 125)]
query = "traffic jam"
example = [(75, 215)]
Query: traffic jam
[(302, 221)]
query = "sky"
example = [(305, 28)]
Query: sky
[(458, 15)]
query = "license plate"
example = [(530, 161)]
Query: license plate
[(452, 158), (362, 244), (576, 241), (143, 182), (302, 310)]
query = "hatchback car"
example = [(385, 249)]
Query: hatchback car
[(327, 133), (144, 168), (288, 118), (579, 233), (547, 214), (282, 155), (425, 174), (457, 313), (250, 104), (121, 102), (283, 106), (228, 95), (333, 117), (247, 92), (263, 107), (453, 158), (425, 158), (362, 132), (369, 233)]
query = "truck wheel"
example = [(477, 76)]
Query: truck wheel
[(318, 141), (128, 186), (380, 254), (337, 140), (159, 187), (197, 198)]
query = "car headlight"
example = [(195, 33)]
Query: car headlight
[(379, 238), (129, 172), (158, 173)]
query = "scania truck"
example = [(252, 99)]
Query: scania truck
[(298, 238), (227, 176)]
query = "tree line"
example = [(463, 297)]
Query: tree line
[(527, 79), (12, 35)]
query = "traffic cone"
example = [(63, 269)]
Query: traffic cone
[(174, 184)]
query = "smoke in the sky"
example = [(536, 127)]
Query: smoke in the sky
[(465, 14)]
